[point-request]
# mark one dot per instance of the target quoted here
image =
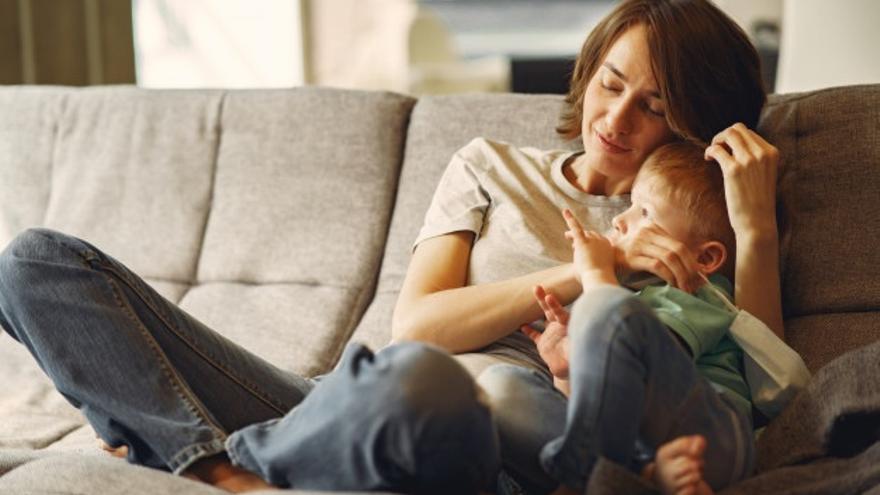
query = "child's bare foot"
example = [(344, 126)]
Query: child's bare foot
[(219, 472), (678, 467)]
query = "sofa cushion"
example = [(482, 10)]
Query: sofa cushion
[(24, 473), (132, 172), (302, 196), (820, 338), (32, 414), (439, 126), (829, 141), (28, 126), (74, 474)]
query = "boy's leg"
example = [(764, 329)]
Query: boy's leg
[(528, 412), (143, 372), (631, 382), (407, 418)]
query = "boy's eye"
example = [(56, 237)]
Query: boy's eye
[(644, 213)]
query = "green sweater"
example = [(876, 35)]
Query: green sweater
[(702, 321)]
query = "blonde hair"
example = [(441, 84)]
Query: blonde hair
[(679, 171)]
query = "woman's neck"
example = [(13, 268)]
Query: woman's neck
[(585, 178)]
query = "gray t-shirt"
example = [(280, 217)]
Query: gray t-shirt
[(512, 200)]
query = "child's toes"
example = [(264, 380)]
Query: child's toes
[(697, 445), (678, 447)]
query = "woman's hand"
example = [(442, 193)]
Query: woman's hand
[(592, 253), (750, 166), (652, 250), (553, 341)]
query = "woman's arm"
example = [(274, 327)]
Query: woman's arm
[(750, 166), (435, 305)]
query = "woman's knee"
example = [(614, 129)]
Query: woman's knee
[(428, 378), (30, 250), (438, 405)]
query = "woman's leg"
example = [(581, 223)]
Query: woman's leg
[(528, 412), (633, 385), (151, 377), (407, 418), (142, 371)]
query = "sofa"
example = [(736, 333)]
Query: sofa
[(284, 220)]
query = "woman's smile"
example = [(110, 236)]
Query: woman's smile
[(610, 145)]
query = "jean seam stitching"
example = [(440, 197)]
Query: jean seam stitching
[(246, 384), (188, 455), (176, 381)]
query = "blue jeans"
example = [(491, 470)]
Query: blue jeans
[(147, 375), (633, 389)]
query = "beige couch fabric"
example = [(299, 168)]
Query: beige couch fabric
[(828, 192), (268, 215)]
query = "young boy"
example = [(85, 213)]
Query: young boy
[(683, 195)]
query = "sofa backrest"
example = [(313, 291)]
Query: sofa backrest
[(263, 213), (829, 193), (266, 213)]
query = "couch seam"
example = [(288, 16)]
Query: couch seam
[(218, 128)]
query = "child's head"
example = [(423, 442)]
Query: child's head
[(680, 192)]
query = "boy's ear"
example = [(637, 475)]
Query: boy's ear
[(711, 256)]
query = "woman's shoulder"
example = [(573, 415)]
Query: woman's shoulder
[(484, 152)]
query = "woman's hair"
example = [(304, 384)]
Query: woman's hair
[(708, 72), (679, 172)]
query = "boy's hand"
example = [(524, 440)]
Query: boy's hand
[(651, 249), (553, 341), (593, 254)]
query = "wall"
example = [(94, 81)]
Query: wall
[(827, 43)]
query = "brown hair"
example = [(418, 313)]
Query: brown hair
[(679, 172), (708, 72)]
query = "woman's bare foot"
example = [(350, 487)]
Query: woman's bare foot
[(218, 471), (678, 467), (215, 470), (120, 452)]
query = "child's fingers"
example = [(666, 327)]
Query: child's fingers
[(531, 333), (556, 308), (570, 220), (540, 294)]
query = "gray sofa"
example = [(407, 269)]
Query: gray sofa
[(284, 220)]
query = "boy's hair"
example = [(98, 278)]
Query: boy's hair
[(697, 187), (707, 70)]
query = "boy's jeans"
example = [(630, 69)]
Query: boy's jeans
[(633, 389), (148, 375)]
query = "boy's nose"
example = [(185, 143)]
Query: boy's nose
[(619, 224)]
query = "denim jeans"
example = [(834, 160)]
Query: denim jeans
[(633, 389), (146, 374)]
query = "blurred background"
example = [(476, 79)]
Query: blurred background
[(408, 46)]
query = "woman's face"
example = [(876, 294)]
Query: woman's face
[(623, 114)]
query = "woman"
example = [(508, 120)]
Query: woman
[(650, 72), (436, 436)]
